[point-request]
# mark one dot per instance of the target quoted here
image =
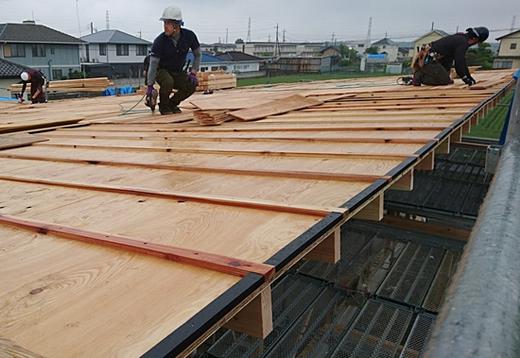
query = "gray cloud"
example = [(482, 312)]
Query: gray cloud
[(302, 20)]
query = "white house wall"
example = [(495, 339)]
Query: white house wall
[(111, 54)]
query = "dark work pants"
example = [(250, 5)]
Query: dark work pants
[(434, 74), (173, 80)]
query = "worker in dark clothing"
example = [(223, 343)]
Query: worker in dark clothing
[(433, 64), (38, 86), (167, 61)]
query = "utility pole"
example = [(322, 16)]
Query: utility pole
[(332, 39), (277, 48), (269, 38), (227, 33), (108, 20), (369, 32), (91, 27), (433, 25), (283, 39), (513, 23), (77, 16), (249, 30), (140, 33)]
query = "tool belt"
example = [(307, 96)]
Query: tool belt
[(425, 56)]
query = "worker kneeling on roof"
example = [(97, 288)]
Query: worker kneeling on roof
[(167, 61), (433, 63), (38, 86)]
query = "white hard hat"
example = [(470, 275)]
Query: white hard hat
[(172, 13), (24, 76)]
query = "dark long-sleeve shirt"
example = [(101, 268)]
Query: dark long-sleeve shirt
[(453, 48), (37, 81)]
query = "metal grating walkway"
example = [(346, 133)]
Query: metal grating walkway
[(456, 187)]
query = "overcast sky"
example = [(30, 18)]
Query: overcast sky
[(302, 20)]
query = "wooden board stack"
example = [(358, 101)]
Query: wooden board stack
[(98, 84), (212, 118), (216, 80)]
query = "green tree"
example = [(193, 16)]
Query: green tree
[(480, 56), (349, 56), (372, 50)]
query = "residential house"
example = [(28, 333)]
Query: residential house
[(9, 74), (208, 62), (509, 51), (426, 39), (241, 64), (115, 53), (309, 49), (360, 46), (283, 49), (300, 65), (37, 46), (331, 51), (388, 48), (220, 47)]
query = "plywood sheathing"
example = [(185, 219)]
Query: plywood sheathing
[(239, 190)]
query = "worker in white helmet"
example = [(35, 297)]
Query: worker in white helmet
[(38, 86), (167, 61)]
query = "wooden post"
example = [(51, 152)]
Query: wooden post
[(255, 319), (373, 211), (456, 136), (404, 183), (427, 163), (329, 250), (466, 127), (444, 147)]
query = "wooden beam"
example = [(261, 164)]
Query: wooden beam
[(250, 152), (153, 136), (373, 211), (427, 163), (404, 183), (175, 195), (9, 141), (428, 228), (329, 250), (201, 259), (255, 319), (198, 168), (443, 147)]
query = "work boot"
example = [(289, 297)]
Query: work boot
[(165, 109)]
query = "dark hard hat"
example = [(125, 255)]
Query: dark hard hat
[(480, 33)]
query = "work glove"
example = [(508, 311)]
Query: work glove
[(149, 91), (192, 77), (469, 80)]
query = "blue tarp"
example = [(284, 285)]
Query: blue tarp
[(7, 99), (112, 91), (379, 56)]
